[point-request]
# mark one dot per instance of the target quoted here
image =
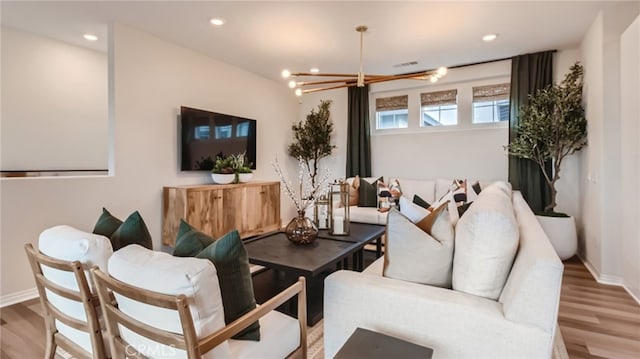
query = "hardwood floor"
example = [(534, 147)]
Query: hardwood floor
[(596, 321)]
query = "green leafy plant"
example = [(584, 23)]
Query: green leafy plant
[(232, 164), (552, 127), (312, 138), (205, 163)]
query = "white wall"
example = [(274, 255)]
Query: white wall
[(630, 132), (151, 80), (54, 102), (602, 244)]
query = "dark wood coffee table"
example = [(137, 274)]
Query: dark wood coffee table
[(367, 344), (362, 233), (315, 261)]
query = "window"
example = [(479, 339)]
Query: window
[(439, 108), (201, 132), (242, 129), (223, 132), (392, 112), (491, 103)]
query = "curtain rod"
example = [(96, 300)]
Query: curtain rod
[(496, 60)]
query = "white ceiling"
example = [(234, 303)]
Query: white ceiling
[(265, 37)]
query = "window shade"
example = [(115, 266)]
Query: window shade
[(491, 92), (448, 97), (392, 103)]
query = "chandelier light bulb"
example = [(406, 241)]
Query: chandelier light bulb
[(286, 73), (433, 79), (489, 37), (442, 71), (314, 70), (298, 92), (292, 84), (90, 37), (216, 22)]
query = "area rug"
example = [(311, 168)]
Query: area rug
[(315, 344)]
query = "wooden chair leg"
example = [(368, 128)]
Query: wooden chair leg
[(50, 350)]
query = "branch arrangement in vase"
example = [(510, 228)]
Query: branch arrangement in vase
[(307, 191)]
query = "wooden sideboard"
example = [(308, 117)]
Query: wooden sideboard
[(252, 208)]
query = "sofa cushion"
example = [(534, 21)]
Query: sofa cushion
[(423, 188), (230, 257), (369, 215), (452, 208), (163, 273), (368, 192), (415, 255), (486, 243), (71, 244), (280, 335)]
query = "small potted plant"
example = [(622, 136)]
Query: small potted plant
[(241, 167), (222, 172)]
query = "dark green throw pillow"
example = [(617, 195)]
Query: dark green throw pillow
[(476, 187), (107, 224), (420, 202), (463, 208), (132, 231), (368, 193), (231, 260), (190, 241)]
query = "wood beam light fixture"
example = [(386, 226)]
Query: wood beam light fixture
[(329, 81)]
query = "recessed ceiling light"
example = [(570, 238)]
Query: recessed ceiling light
[(90, 37), (314, 70), (216, 21), (489, 37)]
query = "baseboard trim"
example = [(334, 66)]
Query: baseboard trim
[(607, 279), (18, 297)]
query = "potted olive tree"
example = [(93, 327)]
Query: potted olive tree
[(552, 127), (312, 139)]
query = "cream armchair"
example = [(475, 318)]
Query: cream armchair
[(171, 307)]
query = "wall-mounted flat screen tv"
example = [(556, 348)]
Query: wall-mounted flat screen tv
[(206, 135)]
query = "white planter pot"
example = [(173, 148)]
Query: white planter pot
[(245, 177), (221, 178), (562, 234)]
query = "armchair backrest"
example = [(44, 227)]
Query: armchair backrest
[(71, 314)]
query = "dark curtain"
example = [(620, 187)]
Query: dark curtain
[(358, 137), (529, 73)]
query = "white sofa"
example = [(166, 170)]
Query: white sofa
[(429, 190), (520, 324)]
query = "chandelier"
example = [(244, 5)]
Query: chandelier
[(336, 80)]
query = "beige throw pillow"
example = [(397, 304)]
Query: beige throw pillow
[(422, 252), (487, 239)]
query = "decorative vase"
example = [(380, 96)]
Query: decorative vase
[(301, 230), (245, 177), (222, 178)]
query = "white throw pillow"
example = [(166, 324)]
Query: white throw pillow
[(452, 208), (486, 240), (413, 255), (412, 210), (163, 273)]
